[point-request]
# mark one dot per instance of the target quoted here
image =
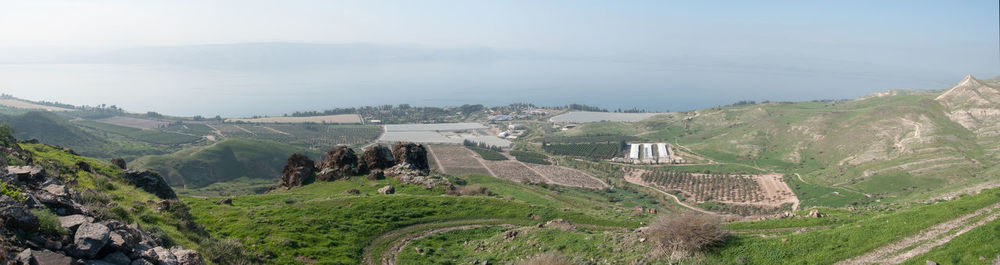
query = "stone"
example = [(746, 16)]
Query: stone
[(228, 201), (84, 166), (96, 262), (376, 174), (45, 257), (412, 154), (27, 174), (71, 222), (140, 262), (387, 190), (299, 170), (90, 238), (352, 191), (151, 182), (816, 214), (930, 262), (340, 162), (164, 256), (26, 257), (561, 224), (17, 216), (117, 258), (119, 162), (510, 234), (187, 256), (376, 157), (117, 241)]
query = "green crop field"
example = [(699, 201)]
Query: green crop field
[(488, 154), (531, 157)]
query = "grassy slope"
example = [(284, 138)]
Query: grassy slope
[(813, 138), (54, 129), (321, 222), (223, 161), (120, 192)]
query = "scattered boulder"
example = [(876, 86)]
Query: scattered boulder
[(71, 222), (931, 262), (17, 216), (377, 157), (84, 166), (140, 262), (298, 171), (228, 201), (387, 190), (376, 174), (42, 257), (352, 191), (340, 162), (510, 234), (164, 256), (561, 224), (816, 214), (186, 256), (413, 155), (117, 258), (90, 238), (27, 174), (151, 182), (119, 162)]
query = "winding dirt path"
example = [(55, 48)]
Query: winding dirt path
[(391, 257), (926, 240)]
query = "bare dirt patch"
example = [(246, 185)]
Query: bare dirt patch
[(28, 105), (568, 177), (456, 160), (333, 119), (138, 123)]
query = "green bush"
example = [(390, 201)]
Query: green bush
[(487, 154), (11, 191), (227, 251), (48, 222), (120, 213)]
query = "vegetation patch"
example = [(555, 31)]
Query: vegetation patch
[(531, 157)]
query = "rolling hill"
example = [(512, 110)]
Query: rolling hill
[(891, 145), (223, 161)]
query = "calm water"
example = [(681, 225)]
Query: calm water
[(230, 91)]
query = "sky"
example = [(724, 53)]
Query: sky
[(768, 46)]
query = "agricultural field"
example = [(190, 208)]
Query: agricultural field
[(149, 136), (433, 127), (441, 133), (138, 123), (327, 119), (20, 104), (514, 171), (595, 151), (586, 139), (456, 160), (567, 176), (487, 154), (589, 116), (735, 193), (531, 157)]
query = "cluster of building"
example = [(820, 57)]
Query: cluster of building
[(513, 131), (649, 153)]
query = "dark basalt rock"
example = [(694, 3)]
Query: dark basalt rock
[(340, 162), (298, 171), (119, 162), (150, 182), (377, 157), (412, 154), (85, 166)]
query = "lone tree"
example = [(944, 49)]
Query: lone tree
[(686, 233)]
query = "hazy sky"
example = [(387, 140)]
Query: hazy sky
[(929, 44)]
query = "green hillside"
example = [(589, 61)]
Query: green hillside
[(223, 161)]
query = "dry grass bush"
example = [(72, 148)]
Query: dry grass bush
[(547, 259), (686, 233)]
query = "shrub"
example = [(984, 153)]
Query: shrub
[(103, 183), (120, 213), (227, 251), (686, 233), (148, 217), (48, 222), (547, 259), (91, 196), (160, 235), (11, 191)]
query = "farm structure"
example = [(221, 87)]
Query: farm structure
[(649, 153), (443, 133)]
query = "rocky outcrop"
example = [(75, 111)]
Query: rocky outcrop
[(413, 156), (377, 157), (299, 170), (340, 162), (90, 236), (151, 182), (387, 190), (119, 162)]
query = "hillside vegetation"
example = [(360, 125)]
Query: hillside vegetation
[(220, 162)]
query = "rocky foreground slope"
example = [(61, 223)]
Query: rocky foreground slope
[(48, 217)]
